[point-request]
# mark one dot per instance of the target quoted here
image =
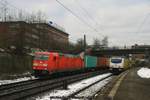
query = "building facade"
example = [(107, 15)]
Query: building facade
[(20, 34)]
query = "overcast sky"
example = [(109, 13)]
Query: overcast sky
[(125, 22)]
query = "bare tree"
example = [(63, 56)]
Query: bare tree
[(4, 10), (105, 42), (32, 18), (96, 44), (40, 16), (20, 15), (9, 12), (79, 46)]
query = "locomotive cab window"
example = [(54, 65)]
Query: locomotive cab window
[(41, 57), (116, 60)]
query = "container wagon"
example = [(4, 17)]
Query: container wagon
[(102, 62), (90, 62)]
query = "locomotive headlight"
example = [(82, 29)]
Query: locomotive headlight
[(44, 65), (35, 64), (45, 68), (34, 67)]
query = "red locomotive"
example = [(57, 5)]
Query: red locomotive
[(52, 62)]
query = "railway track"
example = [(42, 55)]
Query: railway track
[(24, 89), (77, 95), (15, 84), (83, 93)]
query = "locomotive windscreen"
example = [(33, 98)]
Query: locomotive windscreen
[(41, 57), (116, 60)]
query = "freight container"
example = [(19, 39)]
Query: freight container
[(90, 61), (103, 62)]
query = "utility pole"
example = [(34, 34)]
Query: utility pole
[(84, 42), (84, 49), (147, 53)]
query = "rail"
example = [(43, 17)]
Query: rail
[(24, 90)]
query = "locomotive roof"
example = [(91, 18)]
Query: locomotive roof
[(61, 54), (46, 53)]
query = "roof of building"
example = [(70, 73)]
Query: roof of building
[(52, 27), (37, 23)]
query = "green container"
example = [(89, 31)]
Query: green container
[(90, 61)]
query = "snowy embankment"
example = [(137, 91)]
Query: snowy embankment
[(144, 72), (93, 89), (78, 86), (15, 80)]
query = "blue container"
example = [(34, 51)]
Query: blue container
[(90, 61)]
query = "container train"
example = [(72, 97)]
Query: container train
[(53, 62)]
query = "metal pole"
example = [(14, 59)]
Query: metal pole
[(148, 58), (65, 85), (147, 53), (84, 42), (84, 50)]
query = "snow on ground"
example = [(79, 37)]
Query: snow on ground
[(144, 72), (15, 80), (93, 89), (72, 88)]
